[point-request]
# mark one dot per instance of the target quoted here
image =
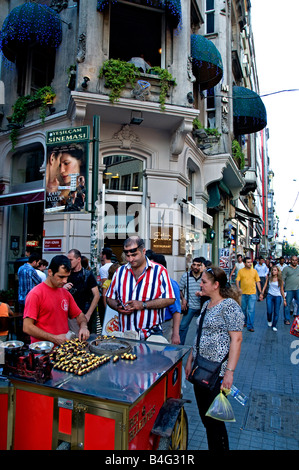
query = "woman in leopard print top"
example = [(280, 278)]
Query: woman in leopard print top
[(221, 334)]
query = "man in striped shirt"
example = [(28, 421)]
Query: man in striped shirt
[(140, 291)]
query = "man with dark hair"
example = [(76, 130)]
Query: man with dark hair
[(248, 280), (290, 277), (262, 271), (139, 291), (28, 278), (172, 313), (41, 267), (83, 287), (106, 262), (48, 307), (190, 295)]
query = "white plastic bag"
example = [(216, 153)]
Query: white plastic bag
[(221, 409)]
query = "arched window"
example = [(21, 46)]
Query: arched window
[(123, 173), (26, 165)]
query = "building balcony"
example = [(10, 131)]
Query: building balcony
[(250, 181)]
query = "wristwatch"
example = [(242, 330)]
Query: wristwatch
[(144, 304)]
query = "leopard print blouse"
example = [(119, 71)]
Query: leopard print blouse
[(218, 322)]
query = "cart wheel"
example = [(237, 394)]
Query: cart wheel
[(179, 436)]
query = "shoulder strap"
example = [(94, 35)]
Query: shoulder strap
[(188, 287), (200, 327)]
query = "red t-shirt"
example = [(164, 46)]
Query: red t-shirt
[(50, 308)]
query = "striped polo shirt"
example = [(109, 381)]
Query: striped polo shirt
[(153, 283), (194, 286)]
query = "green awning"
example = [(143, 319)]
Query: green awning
[(206, 62), (28, 23), (172, 8), (249, 111), (214, 195)]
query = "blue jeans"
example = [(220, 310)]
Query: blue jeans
[(185, 322), (273, 305), (248, 308), (290, 295)]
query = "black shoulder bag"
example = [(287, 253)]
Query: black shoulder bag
[(204, 372)]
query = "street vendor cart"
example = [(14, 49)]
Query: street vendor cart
[(130, 401)]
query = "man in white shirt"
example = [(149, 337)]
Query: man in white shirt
[(106, 257), (282, 264), (106, 262), (42, 266), (238, 265), (262, 271)]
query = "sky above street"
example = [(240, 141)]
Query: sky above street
[(276, 39)]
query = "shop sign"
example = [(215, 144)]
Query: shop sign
[(52, 244), (32, 243), (69, 135), (161, 240), (67, 170), (225, 259)]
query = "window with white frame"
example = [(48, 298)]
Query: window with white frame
[(211, 108), (210, 16)]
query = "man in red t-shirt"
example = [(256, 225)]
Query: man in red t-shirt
[(48, 306)]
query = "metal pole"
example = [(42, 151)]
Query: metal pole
[(95, 189)]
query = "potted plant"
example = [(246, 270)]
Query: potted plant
[(166, 80), (204, 132), (42, 98), (45, 96), (238, 155), (117, 74)]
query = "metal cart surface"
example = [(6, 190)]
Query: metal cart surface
[(124, 405)]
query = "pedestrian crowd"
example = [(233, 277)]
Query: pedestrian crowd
[(71, 300)]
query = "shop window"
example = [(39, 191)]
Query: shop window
[(123, 173), (135, 32), (126, 182)]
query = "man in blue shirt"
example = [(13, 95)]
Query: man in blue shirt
[(28, 278), (172, 313)]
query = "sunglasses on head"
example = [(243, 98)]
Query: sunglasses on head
[(132, 251), (210, 270)]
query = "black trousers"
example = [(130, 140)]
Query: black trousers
[(215, 429)]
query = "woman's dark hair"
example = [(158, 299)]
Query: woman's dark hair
[(75, 150), (225, 289), (60, 260)]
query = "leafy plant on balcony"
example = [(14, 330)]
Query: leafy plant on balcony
[(238, 155), (117, 74), (43, 97), (166, 80), (210, 131)]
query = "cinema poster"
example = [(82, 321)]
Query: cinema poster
[(67, 170)]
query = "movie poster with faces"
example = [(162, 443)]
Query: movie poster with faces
[(66, 170)]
